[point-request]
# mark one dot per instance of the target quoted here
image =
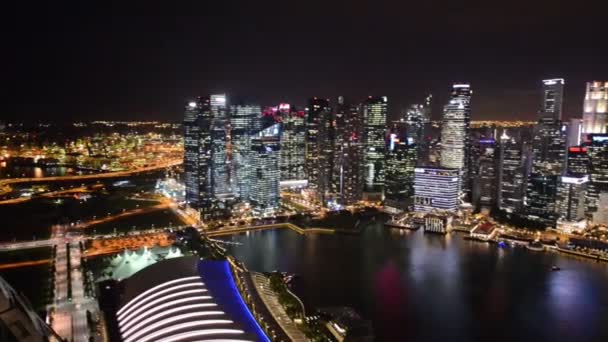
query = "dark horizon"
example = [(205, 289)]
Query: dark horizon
[(117, 61)]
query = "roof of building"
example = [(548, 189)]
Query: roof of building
[(484, 228), (185, 299)]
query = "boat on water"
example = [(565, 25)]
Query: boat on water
[(555, 268), (535, 246)]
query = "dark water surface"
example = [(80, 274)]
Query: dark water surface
[(421, 287)]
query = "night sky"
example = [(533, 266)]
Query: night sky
[(144, 60)]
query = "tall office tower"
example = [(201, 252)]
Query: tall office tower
[(595, 108), (266, 151), (243, 120), (597, 150), (571, 197), (511, 175), (436, 188), (220, 136), (548, 154), (575, 132), (417, 119), (552, 100), (400, 164), (319, 147), (375, 111), (455, 133), (484, 173), (578, 161), (293, 143), (198, 156), (347, 176)]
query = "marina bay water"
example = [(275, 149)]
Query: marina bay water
[(421, 287)]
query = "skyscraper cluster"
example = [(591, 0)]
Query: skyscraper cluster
[(340, 152)]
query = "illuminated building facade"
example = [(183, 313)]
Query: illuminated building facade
[(572, 191), (484, 172), (575, 132), (293, 143), (595, 108), (375, 111), (220, 136), (347, 177), (436, 189), (182, 299), (548, 154), (418, 118), (511, 175), (265, 171), (244, 122), (597, 150), (455, 133), (198, 156), (552, 100), (319, 147), (578, 161), (400, 165)]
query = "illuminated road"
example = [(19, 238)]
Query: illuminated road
[(133, 212), (5, 183), (52, 194), (24, 264)]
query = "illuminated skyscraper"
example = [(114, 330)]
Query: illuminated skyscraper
[(571, 195), (548, 154), (220, 135), (436, 189), (484, 173), (293, 143), (595, 108), (244, 122), (417, 118), (266, 149), (552, 100), (455, 133), (319, 147), (347, 176), (578, 161), (400, 164), (597, 150), (511, 175), (575, 132), (375, 111), (198, 156)]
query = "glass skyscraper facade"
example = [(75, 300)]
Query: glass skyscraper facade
[(198, 156), (548, 154), (484, 172), (571, 194), (455, 133), (293, 143), (511, 175), (319, 147), (597, 150), (400, 164), (244, 123), (375, 111), (347, 175), (220, 135), (595, 108), (417, 118), (265, 171)]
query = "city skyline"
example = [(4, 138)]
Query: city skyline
[(106, 63)]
